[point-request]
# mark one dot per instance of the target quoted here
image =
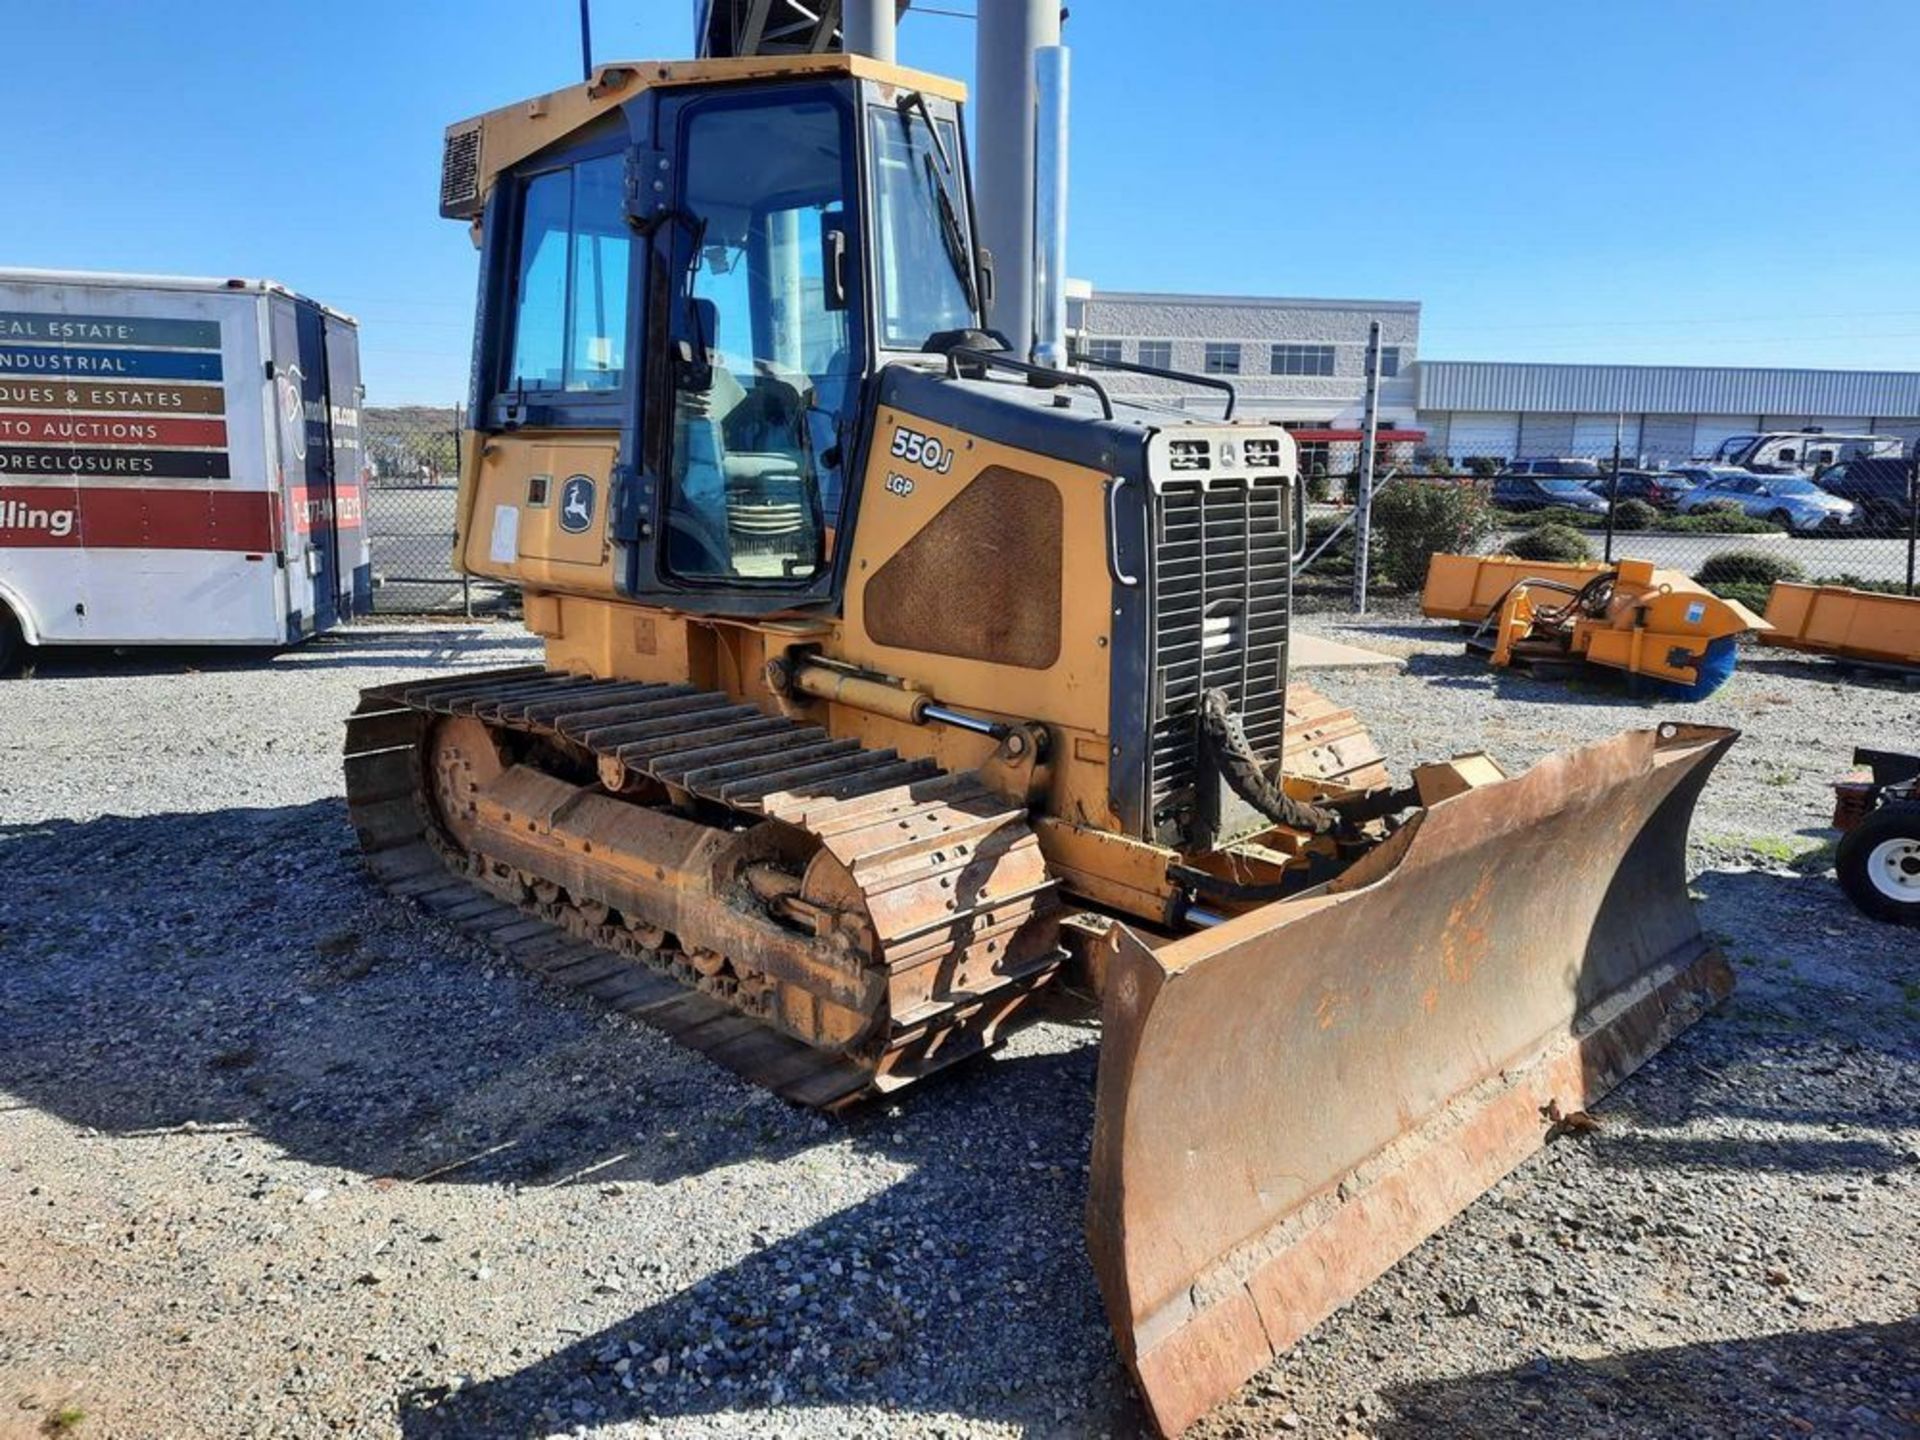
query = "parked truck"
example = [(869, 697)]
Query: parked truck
[(180, 462)]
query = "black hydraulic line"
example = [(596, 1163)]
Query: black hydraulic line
[(1240, 767)]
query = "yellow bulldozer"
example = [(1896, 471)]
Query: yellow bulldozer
[(896, 683)]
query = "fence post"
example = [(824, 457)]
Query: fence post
[(1363, 501), (1613, 485), (1913, 518)]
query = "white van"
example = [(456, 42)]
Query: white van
[(180, 462)]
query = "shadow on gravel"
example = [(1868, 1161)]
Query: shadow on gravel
[(1595, 686), (237, 969), (883, 1304), (385, 648), (1819, 1033), (1858, 1380)]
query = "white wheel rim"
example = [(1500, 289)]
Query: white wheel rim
[(1894, 868)]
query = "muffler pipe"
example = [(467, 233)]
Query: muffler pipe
[(1050, 73)]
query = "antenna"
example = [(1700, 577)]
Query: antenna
[(586, 39)]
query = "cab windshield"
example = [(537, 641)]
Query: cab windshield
[(763, 361), (923, 259)]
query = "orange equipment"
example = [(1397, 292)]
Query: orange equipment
[(1653, 624), (894, 682), (1856, 624)]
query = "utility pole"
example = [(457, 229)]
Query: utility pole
[(1363, 501)]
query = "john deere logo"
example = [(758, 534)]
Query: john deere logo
[(576, 504)]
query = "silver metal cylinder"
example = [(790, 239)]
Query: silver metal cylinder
[(1050, 76), (1007, 33), (868, 28), (962, 720)]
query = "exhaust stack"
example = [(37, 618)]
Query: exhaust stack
[(1050, 77)]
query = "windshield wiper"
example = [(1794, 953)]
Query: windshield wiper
[(914, 100), (952, 236)]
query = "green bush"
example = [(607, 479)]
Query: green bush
[(1560, 544), (1337, 561), (1432, 463), (1746, 567), (1749, 594), (1485, 466), (1562, 515), (1716, 522), (1414, 520), (1720, 507), (1634, 515)]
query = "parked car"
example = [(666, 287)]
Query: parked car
[(1794, 504), (1883, 489), (1659, 488), (1579, 469), (1527, 492)]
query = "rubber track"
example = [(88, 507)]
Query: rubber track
[(857, 801)]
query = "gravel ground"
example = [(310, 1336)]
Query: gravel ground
[(278, 1157)]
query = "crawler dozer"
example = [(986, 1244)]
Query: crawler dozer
[(894, 683)]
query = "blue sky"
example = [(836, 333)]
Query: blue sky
[(1641, 181)]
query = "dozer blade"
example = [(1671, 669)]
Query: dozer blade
[(1293, 1100)]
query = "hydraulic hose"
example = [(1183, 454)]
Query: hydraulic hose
[(1241, 767)]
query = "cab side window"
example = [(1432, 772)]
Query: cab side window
[(570, 303)]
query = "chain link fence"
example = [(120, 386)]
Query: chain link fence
[(1827, 510), (1823, 510), (412, 479)]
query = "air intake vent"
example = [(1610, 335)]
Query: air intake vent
[(1221, 581), (460, 173)]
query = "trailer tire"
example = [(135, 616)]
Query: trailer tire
[(11, 640), (1879, 863)]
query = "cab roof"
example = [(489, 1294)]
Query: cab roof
[(500, 139)]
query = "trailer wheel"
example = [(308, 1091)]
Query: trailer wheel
[(1879, 864)]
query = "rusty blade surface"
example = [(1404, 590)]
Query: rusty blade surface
[(1290, 1102)]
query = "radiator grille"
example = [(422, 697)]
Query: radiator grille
[(1220, 593)]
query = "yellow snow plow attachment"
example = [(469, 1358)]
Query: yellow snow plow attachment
[(1854, 624), (1293, 1100)]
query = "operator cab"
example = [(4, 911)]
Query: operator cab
[(713, 265)]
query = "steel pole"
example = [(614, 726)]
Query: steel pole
[(1050, 206), (586, 39), (1613, 486), (1007, 33), (1363, 501), (1913, 519), (870, 28)]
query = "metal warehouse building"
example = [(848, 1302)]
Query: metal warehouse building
[(1303, 362), (1665, 413)]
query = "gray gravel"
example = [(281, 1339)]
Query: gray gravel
[(278, 1157)]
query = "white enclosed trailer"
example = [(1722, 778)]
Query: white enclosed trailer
[(180, 462)]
